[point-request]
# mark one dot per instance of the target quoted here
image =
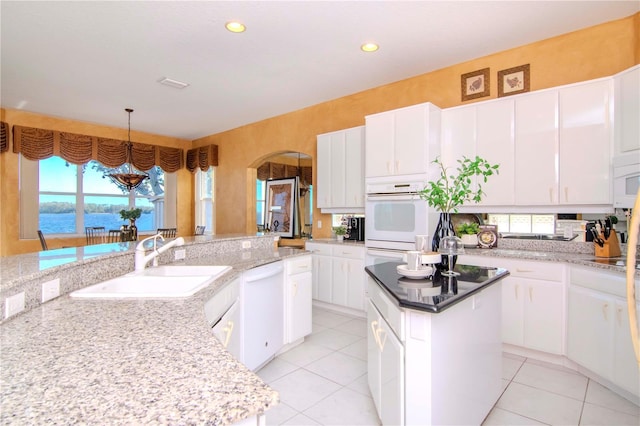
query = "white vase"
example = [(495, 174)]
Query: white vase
[(470, 240)]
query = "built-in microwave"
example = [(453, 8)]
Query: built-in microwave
[(626, 179)]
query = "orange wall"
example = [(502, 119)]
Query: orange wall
[(594, 52), (10, 242), (599, 51)]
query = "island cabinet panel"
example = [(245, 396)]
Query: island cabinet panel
[(599, 338), (322, 271), (224, 314), (402, 141), (423, 367), (533, 302), (340, 161)]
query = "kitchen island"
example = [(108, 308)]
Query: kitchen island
[(140, 361), (434, 344)]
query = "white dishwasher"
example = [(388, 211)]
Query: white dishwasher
[(262, 296)]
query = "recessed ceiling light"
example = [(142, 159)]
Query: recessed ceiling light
[(369, 47), (235, 27)]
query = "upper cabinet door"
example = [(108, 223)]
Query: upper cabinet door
[(495, 143), (627, 110), (354, 167), (410, 141), (458, 135), (379, 144), (323, 164), (536, 148), (585, 143)]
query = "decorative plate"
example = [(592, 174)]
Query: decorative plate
[(487, 239)]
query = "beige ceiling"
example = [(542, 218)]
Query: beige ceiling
[(88, 60)]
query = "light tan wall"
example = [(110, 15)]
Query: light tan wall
[(10, 242), (594, 52), (591, 53)]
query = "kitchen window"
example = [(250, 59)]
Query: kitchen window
[(523, 223), (205, 199), (62, 198)]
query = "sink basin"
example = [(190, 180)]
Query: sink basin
[(159, 282)]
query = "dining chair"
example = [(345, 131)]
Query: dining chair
[(95, 234), (114, 236), (200, 229), (167, 232), (43, 242)]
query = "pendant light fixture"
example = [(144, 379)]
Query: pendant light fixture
[(131, 180)]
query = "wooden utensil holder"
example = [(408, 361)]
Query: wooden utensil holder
[(611, 246)]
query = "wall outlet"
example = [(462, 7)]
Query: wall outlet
[(13, 305), (246, 244), (180, 254), (319, 224), (50, 290)]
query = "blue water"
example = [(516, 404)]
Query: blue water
[(65, 223)]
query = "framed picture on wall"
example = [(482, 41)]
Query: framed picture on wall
[(475, 84), (513, 81), (280, 206)]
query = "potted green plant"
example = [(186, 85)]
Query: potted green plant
[(468, 232), (131, 215), (340, 232), (451, 190)]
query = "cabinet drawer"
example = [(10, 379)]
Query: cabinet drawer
[(298, 265), (350, 252), (321, 249), (389, 311), (542, 270), (222, 301)]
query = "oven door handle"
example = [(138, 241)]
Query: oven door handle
[(396, 254), (393, 197)]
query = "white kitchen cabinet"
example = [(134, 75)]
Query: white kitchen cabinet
[(338, 274), (340, 169), (533, 302), (224, 314), (585, 136), (627, 111), (598, 336), (385, 368), (495, 143), (536, 139), (227, 330), (402, 141), (297, 298), (322, 271)]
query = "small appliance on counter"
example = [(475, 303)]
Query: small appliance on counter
[(355, 229)]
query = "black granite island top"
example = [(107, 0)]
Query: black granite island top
[(435, 293)]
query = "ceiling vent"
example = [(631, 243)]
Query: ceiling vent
[(173, 83)]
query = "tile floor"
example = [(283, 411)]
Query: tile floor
[(324, 382)]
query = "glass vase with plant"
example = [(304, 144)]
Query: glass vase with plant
[(452, 189)]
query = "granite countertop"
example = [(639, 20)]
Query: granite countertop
[(137, 361)]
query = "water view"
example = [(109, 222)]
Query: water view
[(64, 223)]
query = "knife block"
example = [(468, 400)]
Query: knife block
[(611, 246)]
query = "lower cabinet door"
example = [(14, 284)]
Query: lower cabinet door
[(228, 332), (385, 368), (299, 306)]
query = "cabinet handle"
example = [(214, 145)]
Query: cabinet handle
[(397, 165), (374, 330), (381, 342), (551, 195), (228, 330), (605, 308), (524, 270), (619, 316), (295, 288), (566, 193), (531, 294), (515, 289)]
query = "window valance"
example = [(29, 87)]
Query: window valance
[(4, 136), (38, 144), (271, 170), (202, 157)]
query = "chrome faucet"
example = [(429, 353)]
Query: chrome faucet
[(141, 258)]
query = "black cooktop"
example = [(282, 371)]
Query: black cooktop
[(436, 292)]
